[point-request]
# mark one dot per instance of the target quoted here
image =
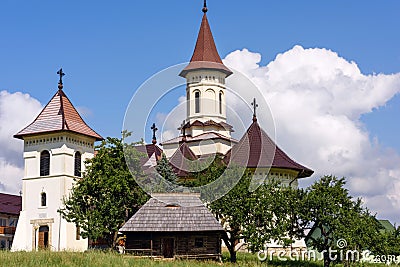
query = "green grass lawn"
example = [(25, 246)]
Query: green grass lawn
[(99, 259)]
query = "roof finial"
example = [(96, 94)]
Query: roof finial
[(255, 106), (183, 130), (205, 9), (154, 128), (60, 83)]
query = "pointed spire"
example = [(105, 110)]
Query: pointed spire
[(58, 115), (205, 55)]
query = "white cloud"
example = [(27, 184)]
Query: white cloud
[(10, 177), (17, 110), (317, 98)]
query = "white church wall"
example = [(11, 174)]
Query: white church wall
[(56, 186)]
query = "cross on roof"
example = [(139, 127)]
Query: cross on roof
[(255, 106), (154, 129), (61, 73), (205, 9), (183, 129)]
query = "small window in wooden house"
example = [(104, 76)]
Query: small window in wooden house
[(199, 242), (172, 206), (44, 163)]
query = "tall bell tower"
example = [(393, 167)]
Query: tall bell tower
[(56, 145), (205, 129)]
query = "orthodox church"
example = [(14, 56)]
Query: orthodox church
[(205, 130), (58, 141)]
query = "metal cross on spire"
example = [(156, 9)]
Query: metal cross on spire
[(205, 9), (154, 129), (61, 74), (183, 129), (255, 106)]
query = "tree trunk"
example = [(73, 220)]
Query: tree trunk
[(230, 244), (232, 252), (327, 261)]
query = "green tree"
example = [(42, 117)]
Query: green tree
[(107, 195), (332, 213), (253, 217), (165, 170)]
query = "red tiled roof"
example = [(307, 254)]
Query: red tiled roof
[(181, 158), (150, 149), (205, 55), (58, 115), (10, 204), (256, 149)]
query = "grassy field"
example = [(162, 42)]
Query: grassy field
[(100, 259)]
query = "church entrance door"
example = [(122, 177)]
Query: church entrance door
[(43, 237)]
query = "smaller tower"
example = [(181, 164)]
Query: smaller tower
[(56, 145)]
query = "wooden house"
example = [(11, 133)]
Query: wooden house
[(174, 225)]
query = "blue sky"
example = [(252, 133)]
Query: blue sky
[(109, 48)]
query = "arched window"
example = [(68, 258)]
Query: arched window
[(77, 169), (44, 163), (197, 102), (43, 199), (220, 102)]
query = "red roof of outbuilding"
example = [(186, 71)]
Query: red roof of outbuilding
[(256, 149), (58, 115), (205, 55), (10, 204)]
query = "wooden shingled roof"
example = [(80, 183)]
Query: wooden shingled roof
[(256, 149), (172, 212), (205, 55), (58, 115)]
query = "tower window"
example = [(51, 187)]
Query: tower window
[(197, 102), (43, 199), (78, 164), (44, 163), (220, 102)]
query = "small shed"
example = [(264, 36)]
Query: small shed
[(174, 225)]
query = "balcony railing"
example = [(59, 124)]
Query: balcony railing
[(7, 230)]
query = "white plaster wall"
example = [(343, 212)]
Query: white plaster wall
[(201, 147), (209, 83), (197, 130), (57, 185)]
